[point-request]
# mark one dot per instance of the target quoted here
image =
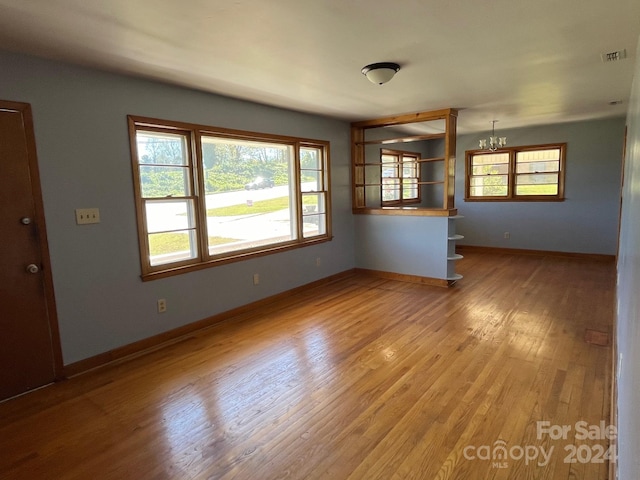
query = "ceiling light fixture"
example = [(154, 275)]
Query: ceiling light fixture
[(494, 142), (380, 72)]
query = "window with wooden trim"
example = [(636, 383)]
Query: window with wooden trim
[(207, 195), (530, 173), (400, 174)]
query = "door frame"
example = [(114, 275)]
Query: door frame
[(36, 192)]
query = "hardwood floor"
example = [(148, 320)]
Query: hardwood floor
[(364, 378)]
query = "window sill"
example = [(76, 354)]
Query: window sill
[(407, 211), (519, 199), (170, 271)]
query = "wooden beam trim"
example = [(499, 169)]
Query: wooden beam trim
[(407, 211), (406, 118), (402, 277)]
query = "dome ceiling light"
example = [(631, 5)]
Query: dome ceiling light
[(380, 72)]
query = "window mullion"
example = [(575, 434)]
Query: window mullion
[(198, 178), (512, 174), (401, 175), (298, 191)]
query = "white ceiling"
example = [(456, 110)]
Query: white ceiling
[(522, 62)]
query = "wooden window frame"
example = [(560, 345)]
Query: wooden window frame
[(512, 174), (399, 165), (193, 134)]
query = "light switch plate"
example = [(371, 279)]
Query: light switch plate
[(87, 215)]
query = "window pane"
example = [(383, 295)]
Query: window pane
[(494, 185), (164, 181), (537, 179), (409, 169), (168, 215), (538, 155), (490, 169), (489, 191), (490, 159), (311, 181), (312, 175), (161, 148), (250, 199), (537, 189), (535, 167), (502, 180), (400, 172), (410, 189), (313, 203), (310, 158), (314, 225), (236, 164), (172, 247), (389, 171), (540, 184), (390, 189)]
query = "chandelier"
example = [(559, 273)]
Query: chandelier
[(494, 142)]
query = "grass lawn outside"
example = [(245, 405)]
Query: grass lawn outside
[(260, 206), (165, 243), (551, 189), (177, 242)]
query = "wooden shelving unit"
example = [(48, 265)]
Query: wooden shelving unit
[(437, 180), (402, 137), (452, 256)]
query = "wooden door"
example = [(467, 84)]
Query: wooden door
[(29, 341)]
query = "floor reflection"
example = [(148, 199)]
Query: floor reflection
[(272, 380)]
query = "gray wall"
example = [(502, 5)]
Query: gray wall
[(586, 222), (83, 152), (402, 244), (628, 324)]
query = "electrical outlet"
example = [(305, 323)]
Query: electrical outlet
[(318, 262), (87, 215), (507, 235), (256, 279), (162, 305)]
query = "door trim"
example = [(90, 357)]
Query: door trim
[(47, 277)]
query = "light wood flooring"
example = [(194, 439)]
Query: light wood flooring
[(363, 378)]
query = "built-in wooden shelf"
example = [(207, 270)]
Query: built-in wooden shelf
[(412, 138), (420, 160), (452, 256), (437, 183), (408, 211), (432, 166)]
